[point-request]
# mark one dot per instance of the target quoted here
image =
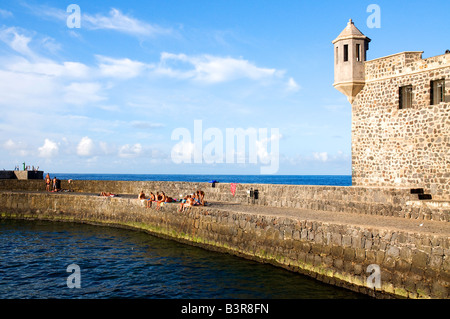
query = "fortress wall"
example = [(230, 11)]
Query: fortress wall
[(411, 265), (408, 147), (401, 64), (383, 201)]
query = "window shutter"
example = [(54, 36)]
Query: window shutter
[(432, 93)]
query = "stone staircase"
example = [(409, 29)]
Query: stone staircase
[(425, 207)]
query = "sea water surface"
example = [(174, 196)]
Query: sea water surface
[(332, 180), (120, 263)]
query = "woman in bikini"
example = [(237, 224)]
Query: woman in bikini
[(47, 182)]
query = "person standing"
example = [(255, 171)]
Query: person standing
[(54, 184), (47, 182)]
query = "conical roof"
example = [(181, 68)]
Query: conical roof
[(351, 32)]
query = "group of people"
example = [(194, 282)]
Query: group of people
[(159, 198), (54, 184), (195, 199)]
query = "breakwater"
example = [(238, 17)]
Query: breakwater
[(338, 235)]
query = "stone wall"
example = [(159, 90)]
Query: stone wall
[(7, 175), (411, 265), (21, 174), (402, 147), (383, 201)]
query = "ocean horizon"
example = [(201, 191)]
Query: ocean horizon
[(326, 180)]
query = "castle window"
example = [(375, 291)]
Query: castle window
[(405, 97), (345, 52), (358, 52), (437, 91), (337, 55)]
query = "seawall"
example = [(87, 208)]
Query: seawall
[(382, 201), (407, 239)]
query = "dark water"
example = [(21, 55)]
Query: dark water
[(331, 180), (118, 263)]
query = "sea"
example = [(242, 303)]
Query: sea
[(332, 180), (55, 260)]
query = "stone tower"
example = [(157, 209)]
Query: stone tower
[(400, 116), (349, 55)]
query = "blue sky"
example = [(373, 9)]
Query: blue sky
[(107, 97)]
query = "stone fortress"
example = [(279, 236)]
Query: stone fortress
[(400, 115)]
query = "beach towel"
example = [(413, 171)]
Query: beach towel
[(233, 188)]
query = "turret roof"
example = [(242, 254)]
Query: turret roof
[(351, 32)]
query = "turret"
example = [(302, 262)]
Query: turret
[(350, 49)]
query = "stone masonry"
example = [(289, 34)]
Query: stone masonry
[(400, 115), (407, 147)]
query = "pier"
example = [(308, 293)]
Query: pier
[(344, 236)]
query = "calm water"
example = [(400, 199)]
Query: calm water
[(332, 180), (118, 263)]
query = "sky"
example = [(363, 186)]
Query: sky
[(159, 87)]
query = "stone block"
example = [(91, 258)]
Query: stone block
[(338, 263), (393, 252), (440, 290), (419, 259)]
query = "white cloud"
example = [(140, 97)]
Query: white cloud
[(120, 68), (85, 147), (117, 21), (27, 90), (80, 93), (106, 148), (5, 14), (49, 68), (262, 147), (9, 145), (322, 156), (211, 69), (16, 148), (29, 80), (44, 11), (146, 125), (17, 41), (127, 151), (292, 85), (49, 149), (182, 152)]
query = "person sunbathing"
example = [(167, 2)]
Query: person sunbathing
[(168, 199), (201, 197), (160, 198), (183, 203), (141, 195), (189, 201), (108, 194), (150, 199)]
